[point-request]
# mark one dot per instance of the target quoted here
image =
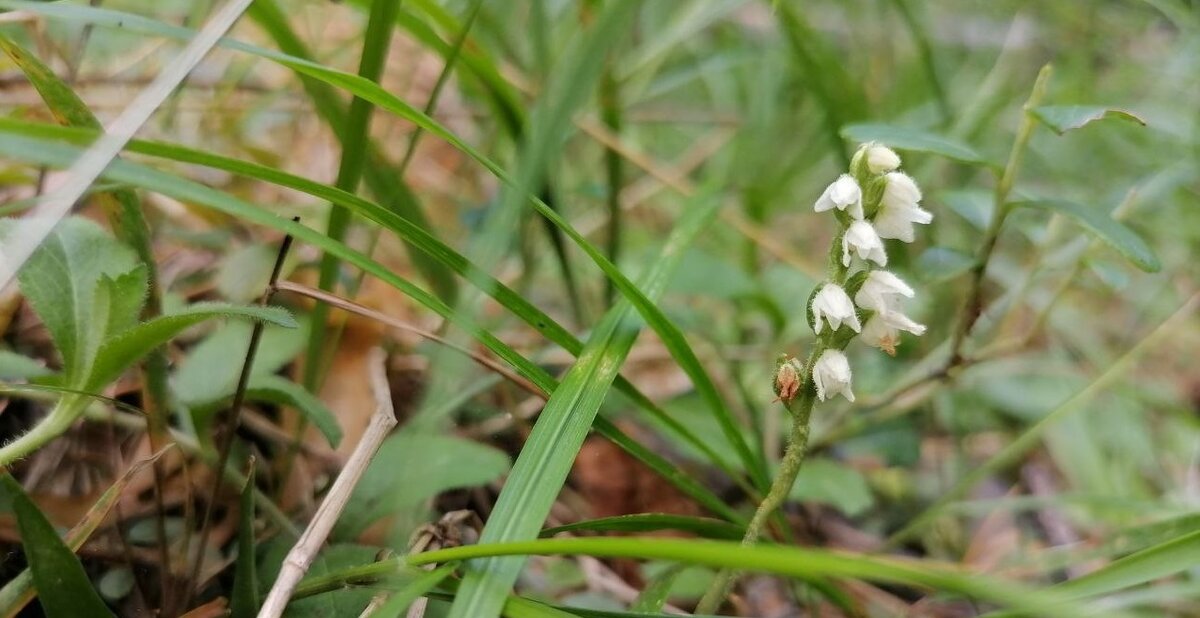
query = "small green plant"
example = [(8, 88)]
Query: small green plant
[(89, 289)]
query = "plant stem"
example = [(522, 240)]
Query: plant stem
[(789, 467), (973, 306)]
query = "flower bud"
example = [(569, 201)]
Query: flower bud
[(881, 159), (831, 375), (861, 238), (789, 378), (832, 305)]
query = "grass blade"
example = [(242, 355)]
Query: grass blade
[(670, 334), (245, 597), (546, 458), (650, 522)]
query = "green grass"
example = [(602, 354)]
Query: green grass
[(443, 152)]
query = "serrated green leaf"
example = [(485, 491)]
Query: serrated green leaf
[(1104, 227), (119, 353), (281, 391), (917, 140), (64, 588), (60, 281), (1063, 118)]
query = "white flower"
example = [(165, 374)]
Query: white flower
[(831, 375), (861, 238), (842, 194), (832, 305), (881, 159), (899, 208), (879, 291), (883, 330)]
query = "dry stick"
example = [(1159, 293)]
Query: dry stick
[(31, 230), (353, 307), (227, 427), (296, 564)]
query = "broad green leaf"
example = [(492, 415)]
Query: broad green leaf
[(64, 588), (649, 522), (673, 339), (917, 140), (559, 432), (244, 601), (937, 264), (243, 273), (826, 481), (974, 205), (14, 366), (206, 377), (1063, 118), (438, 462), (119, 353), (60, 281), (794, 562), (1098, 222), (281, 391)]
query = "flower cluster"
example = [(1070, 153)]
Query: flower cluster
[(875, 201)]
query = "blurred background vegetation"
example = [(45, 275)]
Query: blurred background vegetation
[(1065, 444)]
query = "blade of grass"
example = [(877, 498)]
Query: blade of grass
[(245, 597), (542, 466), (354, 138), (444, 254), (672, 337), (647, 522), (386, 185)]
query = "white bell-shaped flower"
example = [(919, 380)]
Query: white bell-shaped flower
[(900, 208), (832, 305), (861, 238), (881, 159), (831, 375), (882, 330), (880, 290), (843, 194)]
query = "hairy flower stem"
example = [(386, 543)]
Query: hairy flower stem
[(789, 467)]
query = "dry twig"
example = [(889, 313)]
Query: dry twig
[(296, 564)]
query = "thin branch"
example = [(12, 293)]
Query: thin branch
[(226, 428), (296, 564), (353, 307)]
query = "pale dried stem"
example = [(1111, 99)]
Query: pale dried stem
[(296, 564)]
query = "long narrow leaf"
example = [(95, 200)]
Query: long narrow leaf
[(63, 587), (673, 339), (546, 458)]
